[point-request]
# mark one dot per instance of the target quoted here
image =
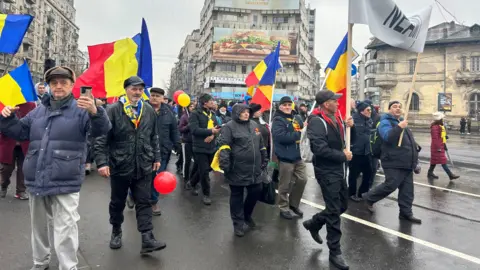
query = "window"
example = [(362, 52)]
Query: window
[(381, 66), (255, 18), (475, 63), (370, 83), (280, 20), (412, 64), (228, 68), (298, 19), (474, 103), (463, 63), (244, 69), (265, 19), (415, 104), (391, 66)]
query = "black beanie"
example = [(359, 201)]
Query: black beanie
[(204, 98), (393, 102), (254, 107), (362, 106)]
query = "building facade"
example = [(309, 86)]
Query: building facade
[(182, 74), (448, 75), (53, 35), (235, 35)]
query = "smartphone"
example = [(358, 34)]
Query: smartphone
[(85, 90)]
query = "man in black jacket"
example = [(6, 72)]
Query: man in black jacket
[(167, 129), (327, 141), (204, 127), (398, 162), (362, 157), (127, 155), (292, 175)]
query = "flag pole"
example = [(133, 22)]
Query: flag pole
[(321, 88), (410, 94), (8, 65), (349, 82)]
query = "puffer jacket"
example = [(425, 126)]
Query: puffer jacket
[(198, 124), (126, 149), (286, 137), (167, 129), (243, 163), (363, 130), (437, 148), (55, 161), (184, 128)]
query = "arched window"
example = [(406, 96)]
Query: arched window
[(474, 103), (415, 103)]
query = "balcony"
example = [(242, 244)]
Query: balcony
[(467, 76), (386, 80), (370, 62), (31, 2), (28, 39), (287, 78), (10, 1), (372, 90)]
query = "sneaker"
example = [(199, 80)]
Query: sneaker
[(23, 196), (241, 230), (194, 191), (250, 223), (355, 198), (188, 186), (3, 193), (156, 210), (207, 200), (286, 215), (130, 201), (297, 211), (40, 267)]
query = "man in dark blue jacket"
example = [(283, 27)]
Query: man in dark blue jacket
[(361, 162), (54, 166), (292, 170), (167, 129)]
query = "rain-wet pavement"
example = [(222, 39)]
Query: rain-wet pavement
[(201, 237)]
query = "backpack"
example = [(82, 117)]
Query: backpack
[(376, 141), (305, 151)]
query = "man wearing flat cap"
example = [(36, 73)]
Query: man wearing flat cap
[(54, 166), (326, 132), (129, 154)]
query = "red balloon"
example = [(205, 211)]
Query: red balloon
[(176, 94), (165, 182)]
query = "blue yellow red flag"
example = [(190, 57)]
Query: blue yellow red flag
[(12, 30), (16, 87)]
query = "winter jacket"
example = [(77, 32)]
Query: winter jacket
[(437, 148), (327, 147), (394, 157), (7, 145), (363, 129), (243, 163), (125, 149), (286, 139), (264, 131), (167, 129), (55, 161), (198, 123), (184, 128), (224, 118)]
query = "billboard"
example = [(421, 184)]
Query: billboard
[(445, 102), (259, 4), (244, 44)]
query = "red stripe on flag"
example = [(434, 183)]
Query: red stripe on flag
[(261, 99), (1, 106), (251, 79), (94, 76), (342, 103)]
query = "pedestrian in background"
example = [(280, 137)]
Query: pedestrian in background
[(12, 155), (362, 155), (187, 148), (326, 131), (242, 166), (292, 170), (438, 147), (129, 154), (57, 130), (469, 125), (463, 124)]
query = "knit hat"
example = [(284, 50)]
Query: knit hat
[(204, 98), (362, 106), (222, 105), (254, 107), (393, 102), (438, 116)]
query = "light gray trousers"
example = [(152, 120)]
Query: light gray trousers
[(54, 220)]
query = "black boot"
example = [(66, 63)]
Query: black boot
[(116, 240), (453, 176), (430, 174), (149, 244), (310, 226), (339, 262), (410, 218)]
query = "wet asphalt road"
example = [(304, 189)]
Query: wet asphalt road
[(199, 237)]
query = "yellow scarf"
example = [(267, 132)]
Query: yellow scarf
[(443, 135), (134, 115), (210, 124)]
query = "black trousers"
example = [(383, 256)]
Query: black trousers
[(141, 192), (187, 149), (179, 163), (201, 170), (359, 164), (334, 192), (374, 171), (395, 178), (241, 208)]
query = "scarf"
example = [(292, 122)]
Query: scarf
[(339, 122), (210, 124), (443, 135), (57, 104), (134, 114)]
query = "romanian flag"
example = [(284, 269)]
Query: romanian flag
[(264, 93), (337, 79), (17, 87), (12, 30), (112, 63), (262, 74)]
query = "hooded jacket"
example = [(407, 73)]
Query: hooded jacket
[(286, 137), (243, 163), (184, 128)]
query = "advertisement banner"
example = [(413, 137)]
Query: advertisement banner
[(239, 93), (259, 4), (445, 102), (244, 45)]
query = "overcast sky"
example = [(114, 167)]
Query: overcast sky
[(169, 22)]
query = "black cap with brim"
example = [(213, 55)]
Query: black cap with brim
[(59, 72), (326, 95), (285, 99), (133, 81)]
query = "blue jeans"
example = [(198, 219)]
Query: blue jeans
[(163, 167)]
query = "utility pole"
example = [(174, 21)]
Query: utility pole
[(361, 80)]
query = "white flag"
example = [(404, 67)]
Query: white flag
[(389, 24)]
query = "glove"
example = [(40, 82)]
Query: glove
[(418, 169), (446, 137)]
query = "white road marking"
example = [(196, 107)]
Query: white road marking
[(441, 188), (402, 235)]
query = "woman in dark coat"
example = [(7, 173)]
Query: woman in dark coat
[(438, 147), (242, 158)]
